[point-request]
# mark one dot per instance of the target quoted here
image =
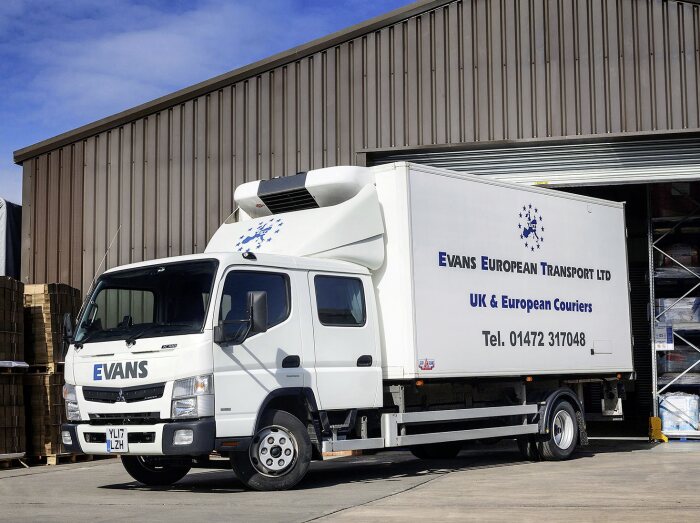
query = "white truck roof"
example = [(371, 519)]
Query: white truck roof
[(269, 260)]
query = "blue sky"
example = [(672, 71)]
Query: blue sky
[(65, 63)]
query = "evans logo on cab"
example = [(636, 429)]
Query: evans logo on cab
[(119, 370)]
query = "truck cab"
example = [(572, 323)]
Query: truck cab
[(182, 354)]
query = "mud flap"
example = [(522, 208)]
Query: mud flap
[(582, 434)]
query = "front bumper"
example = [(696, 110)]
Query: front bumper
[(144, 440)]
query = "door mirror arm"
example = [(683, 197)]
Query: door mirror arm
[(224, 333), (255, 323)]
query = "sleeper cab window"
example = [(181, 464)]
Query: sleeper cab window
[(239, 283), (340, 301)]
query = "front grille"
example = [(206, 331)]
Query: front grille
[(132, 437), (287, 201), (125, 394), (126, 418)]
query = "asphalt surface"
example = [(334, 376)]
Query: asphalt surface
[(608, 481)]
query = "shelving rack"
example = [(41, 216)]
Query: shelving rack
[(676, 282)]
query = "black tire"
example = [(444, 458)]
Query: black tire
[(528, 448), (447, 450), (151, 472), (563, 433), (278, 426)]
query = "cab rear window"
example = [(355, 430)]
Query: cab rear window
[(340, 301)]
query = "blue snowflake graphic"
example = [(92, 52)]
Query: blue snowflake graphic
[(255, 237)]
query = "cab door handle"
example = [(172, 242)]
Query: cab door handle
[(291, 362), (364, 361)]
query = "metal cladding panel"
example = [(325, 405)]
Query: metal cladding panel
[(584, 163), (449, 73)]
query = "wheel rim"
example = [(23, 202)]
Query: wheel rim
[(563, 429), (274, 451)]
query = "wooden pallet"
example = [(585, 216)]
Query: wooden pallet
[(341, 454)]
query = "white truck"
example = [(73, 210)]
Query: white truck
[(399, 306)]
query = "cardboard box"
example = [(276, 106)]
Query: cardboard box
[(686, 310), (44, 308)]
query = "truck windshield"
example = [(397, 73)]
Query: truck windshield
[(152, 301)]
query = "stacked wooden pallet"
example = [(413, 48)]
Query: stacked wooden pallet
[(44, 306), (11, 319), (45, 413), (12, 426), (12, 431)]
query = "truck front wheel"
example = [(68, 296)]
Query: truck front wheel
[(279, 454), (154, 471), (563, 433)]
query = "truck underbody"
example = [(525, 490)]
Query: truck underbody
[(430, 418)]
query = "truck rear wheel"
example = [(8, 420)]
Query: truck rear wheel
[(563, 433), (447, 450), (153, 471), (279, 455)]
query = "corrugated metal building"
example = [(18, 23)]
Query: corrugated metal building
[(567, 92)]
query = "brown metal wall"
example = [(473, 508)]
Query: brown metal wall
[(468, 71)]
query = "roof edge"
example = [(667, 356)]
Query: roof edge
[(223, 80)]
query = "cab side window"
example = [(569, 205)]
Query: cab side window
[(239, 283), (340, 301)]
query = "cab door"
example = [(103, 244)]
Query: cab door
[(245, 374), (348, 366)]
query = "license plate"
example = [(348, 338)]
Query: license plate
[(117, 440)]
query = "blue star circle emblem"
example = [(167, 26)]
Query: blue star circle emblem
[(255, 237), (530, 227)]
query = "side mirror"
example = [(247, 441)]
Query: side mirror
[(257, 311), (67, 327), (237, 331)]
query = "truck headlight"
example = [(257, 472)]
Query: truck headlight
[(71, 400), (193, 397), (194, 386), (184, 408)]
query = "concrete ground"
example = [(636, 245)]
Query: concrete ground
[(607, 481)]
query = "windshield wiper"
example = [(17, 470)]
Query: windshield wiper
[(131, 340)]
